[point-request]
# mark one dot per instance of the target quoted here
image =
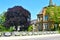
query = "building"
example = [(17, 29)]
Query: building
[(48, 19), (44, 22), (34, 24)]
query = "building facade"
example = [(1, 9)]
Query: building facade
[(44, 23), (48, 19)]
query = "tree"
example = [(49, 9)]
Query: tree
[(17, 16), (56, 14), (2, 20)]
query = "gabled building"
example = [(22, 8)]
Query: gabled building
[(46, 21)]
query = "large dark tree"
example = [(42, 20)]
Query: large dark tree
[(17, 16)]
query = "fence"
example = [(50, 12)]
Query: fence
[(27, 33)]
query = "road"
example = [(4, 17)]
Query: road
[(37, 37)]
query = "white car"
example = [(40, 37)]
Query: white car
[(16, 33), (0, 34), (7, 34)]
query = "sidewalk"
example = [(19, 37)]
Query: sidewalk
[(26, 37)]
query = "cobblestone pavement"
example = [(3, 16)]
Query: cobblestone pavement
[(40, 37)]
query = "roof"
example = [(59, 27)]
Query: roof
[(34, 21)]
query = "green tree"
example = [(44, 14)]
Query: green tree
[(56, 12), (2, 20)]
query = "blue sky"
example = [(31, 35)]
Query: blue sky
[(34, 6)]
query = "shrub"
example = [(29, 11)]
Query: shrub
[(30, 28)]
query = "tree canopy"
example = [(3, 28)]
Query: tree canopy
[(54, 13), (17, 16)]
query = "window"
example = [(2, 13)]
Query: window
[(46, 18)]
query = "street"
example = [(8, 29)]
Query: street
[(37, 37)]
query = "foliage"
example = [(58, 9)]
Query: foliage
[(58, 30), (54, 13), (17, 16), (30, 28), (2, 28), (8, 30), (2, 20)]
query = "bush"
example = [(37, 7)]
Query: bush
[(30, 28), (59, 29), (2, 28)]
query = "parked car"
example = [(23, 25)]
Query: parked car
[(0, 34), (7, 34), (16, 33)]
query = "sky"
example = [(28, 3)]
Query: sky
[(33, 6)]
